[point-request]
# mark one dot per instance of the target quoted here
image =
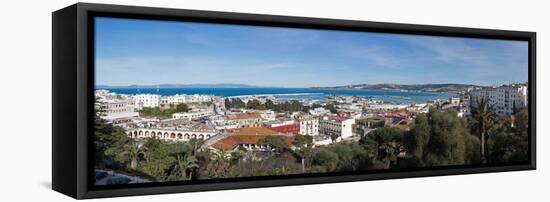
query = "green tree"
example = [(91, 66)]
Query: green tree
[(303, 147), (158, 158), (326, 158), (163, 113), (156, 112), (182, 107), (184, 166), (351, 156), (269, 104), (254, 104), (237, 103), (418, 137), (509, 148), (133, 151), (521, 122), (287, 106), (512, 143), (331, 108), (472, 155), (483, 115), (446, 142), (152, 144), (389, 141), (102, 133), (370, 147)]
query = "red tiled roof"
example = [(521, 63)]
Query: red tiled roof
[(291, 128), (252, 131), (248, 136)]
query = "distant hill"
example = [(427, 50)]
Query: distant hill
[(449, 87), (221, 85)]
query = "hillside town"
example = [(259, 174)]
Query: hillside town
[(339, 118)]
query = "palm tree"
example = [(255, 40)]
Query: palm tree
[(133, 151), (152, 144), (218, 165), (484, 117), (185, 165)]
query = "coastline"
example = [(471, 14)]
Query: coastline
[(391, 96)]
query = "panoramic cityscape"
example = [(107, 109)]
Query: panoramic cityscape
[(181, 102)]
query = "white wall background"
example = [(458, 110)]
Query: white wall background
[(25, 101)]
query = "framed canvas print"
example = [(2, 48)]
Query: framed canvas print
[(155, 100)]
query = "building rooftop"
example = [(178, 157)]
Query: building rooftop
[(252, 131), (247, 136), (246, 115)]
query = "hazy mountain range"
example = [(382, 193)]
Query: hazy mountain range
[(448, 87), (387, 86)]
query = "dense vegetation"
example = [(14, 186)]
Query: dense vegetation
[(438, 138), (163, 113), (287, 106)]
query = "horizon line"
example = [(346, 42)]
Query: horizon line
[(328, 86)]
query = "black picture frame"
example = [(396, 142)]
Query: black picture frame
[(73, 86)]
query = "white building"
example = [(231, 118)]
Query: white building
[(173, 135), (502, 99), (335, 125), (116, 111), (185, 99), (320, 111), (387, 106), (419, 108), (268, 115), (278, 123), (243, 120), (146, 100), (192, 115), (465, 105), (309, 125), (455, 100)]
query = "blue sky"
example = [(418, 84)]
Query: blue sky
[(148, 52)]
